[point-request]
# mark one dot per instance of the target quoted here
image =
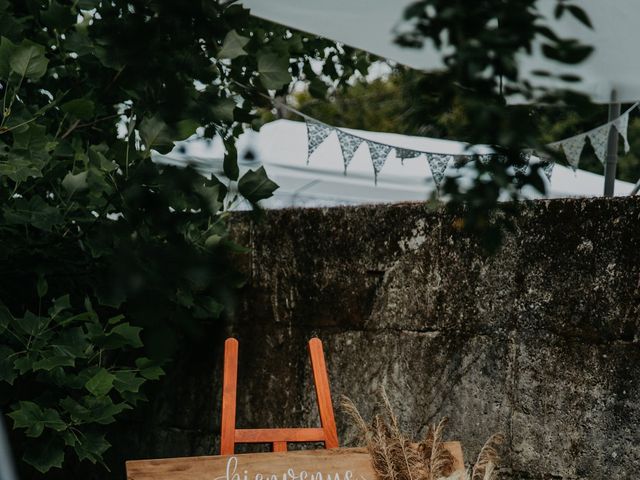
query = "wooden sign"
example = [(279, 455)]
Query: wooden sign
[(330, 464)]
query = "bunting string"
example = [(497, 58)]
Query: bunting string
[(438, 162)]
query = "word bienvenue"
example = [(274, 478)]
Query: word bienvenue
[(233, 474)]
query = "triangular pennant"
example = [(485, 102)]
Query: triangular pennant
[(316, 134), (547, 168), (485, 158), (379, 153), (622, 125), (522, 167), (599, 138), (573, 149), (348, 144), (438, 165), (405, 153)]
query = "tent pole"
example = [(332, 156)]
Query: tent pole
[(612, 148), (7, 471)]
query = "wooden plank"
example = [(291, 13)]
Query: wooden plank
[(229, 387), (334, 464), (269, 435), (321, 381)]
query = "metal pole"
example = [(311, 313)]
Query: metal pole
[(612, 148)]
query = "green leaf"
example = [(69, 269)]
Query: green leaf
[(127, 381), (72, 342), (7, 49), (28, 60), (255, 185), (223, 109), (57, 16), (92, 446), (5, 317), (80, 108), (233, 44), (273, 70), (155, 135), (230, 164), (101, 383), (7, 372), (34, 419), (45, 455), (32, 324), (149, 369), (580, 15), (102, 410), (186, 128), (60, 304), (123, 335), (42, 286), (34, 212), (52, 361), (75, 183), (97, 159)]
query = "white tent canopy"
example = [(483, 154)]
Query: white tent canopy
[(281, 146), (369, 25)]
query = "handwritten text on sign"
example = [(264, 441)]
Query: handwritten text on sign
[(232, 473)]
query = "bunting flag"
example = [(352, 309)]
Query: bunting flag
[(405, 153), (438, 164), (316, 134), (521, 168), (599, 138), (573, 149), (547, 168), (348, 144), (485, 158), (379, 153), (622, 126)]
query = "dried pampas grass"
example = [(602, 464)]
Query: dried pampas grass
[(394, 456)]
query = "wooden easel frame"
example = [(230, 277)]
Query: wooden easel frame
[(278, 437)]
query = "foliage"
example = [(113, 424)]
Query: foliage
[(481, 42), (90, 90), (68, 352)]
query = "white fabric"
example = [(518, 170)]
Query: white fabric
[(281, 146), (369, 25)]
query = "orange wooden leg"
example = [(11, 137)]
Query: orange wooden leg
[(229, 387), (321, 381), (279, 446)]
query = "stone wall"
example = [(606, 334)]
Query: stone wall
[(539, 341)]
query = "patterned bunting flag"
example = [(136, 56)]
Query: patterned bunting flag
[(438, 164), (348, 144), (622, 125), (573, 149), (405, 153), (316, 134), (547, 168), (379, 153), (598, 139), (485, 158), (521, 168)]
